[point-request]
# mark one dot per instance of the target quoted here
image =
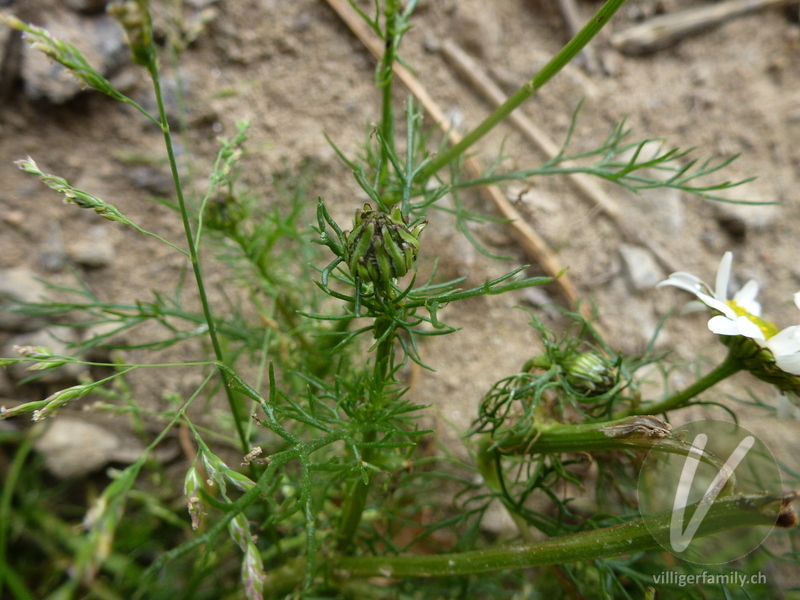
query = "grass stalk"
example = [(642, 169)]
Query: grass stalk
[(193, 256)]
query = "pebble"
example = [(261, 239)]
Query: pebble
[(56, 339), (75, 447), (94, 250), (171, 94), (640, 266), (99, 38), (19, 285), (105, 331), (52, 254), (151, 179), (476, 28), (737, 219)]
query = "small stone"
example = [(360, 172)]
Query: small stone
[(640, 266), (19, 286), (175, 96), (153, 180), (477, 29), (100, 39), (126, 80), (52, 254), (538, 297), (108, 337), (14, 217), (73, 447), (431, 44), (57, 340), (94, 251), (497, 521), (738, 219)]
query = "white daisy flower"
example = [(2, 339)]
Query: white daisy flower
[(739, 316)]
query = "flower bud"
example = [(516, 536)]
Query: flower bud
[(253, 575), (192, 485), (239, 531), (224, 213), (381, 246), (134, 17), (589, 374)]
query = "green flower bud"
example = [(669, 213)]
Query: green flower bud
[(192, 485), (224, 213), (589, 374), (381, 246)]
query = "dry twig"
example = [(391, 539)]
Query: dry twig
[(659, 32)]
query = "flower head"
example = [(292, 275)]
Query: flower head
[(767, 352), (590, 374), (381, 246), (739, 316)]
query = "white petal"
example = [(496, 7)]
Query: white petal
[(749, 329), (693, 306), (684, 281), (717, 305), (723, 326), (797, 299), (723, 277), (746, 298), (789, 364), (785, 342)]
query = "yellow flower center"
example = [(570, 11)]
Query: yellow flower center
[(767, 328)]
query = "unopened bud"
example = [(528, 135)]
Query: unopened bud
[(224, 213), (381, 246), (253, 574), (192, 485), (215, 469), (239, 531), (589, 374)]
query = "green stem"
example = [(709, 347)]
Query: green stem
[(385, 83), (354, 504), (634, 432), (728, 367), (548, 71), (212, 331), (627, 538), (356, 499)]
